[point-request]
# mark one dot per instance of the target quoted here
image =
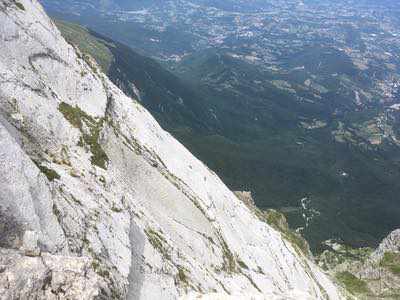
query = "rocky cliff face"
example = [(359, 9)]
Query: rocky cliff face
[(389, 244), (381, 271), (98, 202), (366, 273)]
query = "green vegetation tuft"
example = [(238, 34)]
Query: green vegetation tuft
[(77, 201), (298, 242), (100, 270), (391, 261), (19, 5), (276, 220), (116, 209), (56, 211), (352, 284), (229, 258), (99, 157), (76, 117), (50, 174), (242, 264), (182, 277), (158, 242)]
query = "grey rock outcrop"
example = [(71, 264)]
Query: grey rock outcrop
[(98, 202), (391, 243), (366, 273), (47, 277), (382, 269)]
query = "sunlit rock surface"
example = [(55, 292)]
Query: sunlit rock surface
[(97, 201)]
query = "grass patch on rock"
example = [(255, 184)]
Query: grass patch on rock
[(353, 284), (181, 276), (391, 261), (229, 258), (49, 173), (19, 5), (158, 242), (90, 129)]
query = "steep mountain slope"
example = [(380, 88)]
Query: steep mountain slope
[(249, 125), (175, 105), (98, 202), (304, 95)]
